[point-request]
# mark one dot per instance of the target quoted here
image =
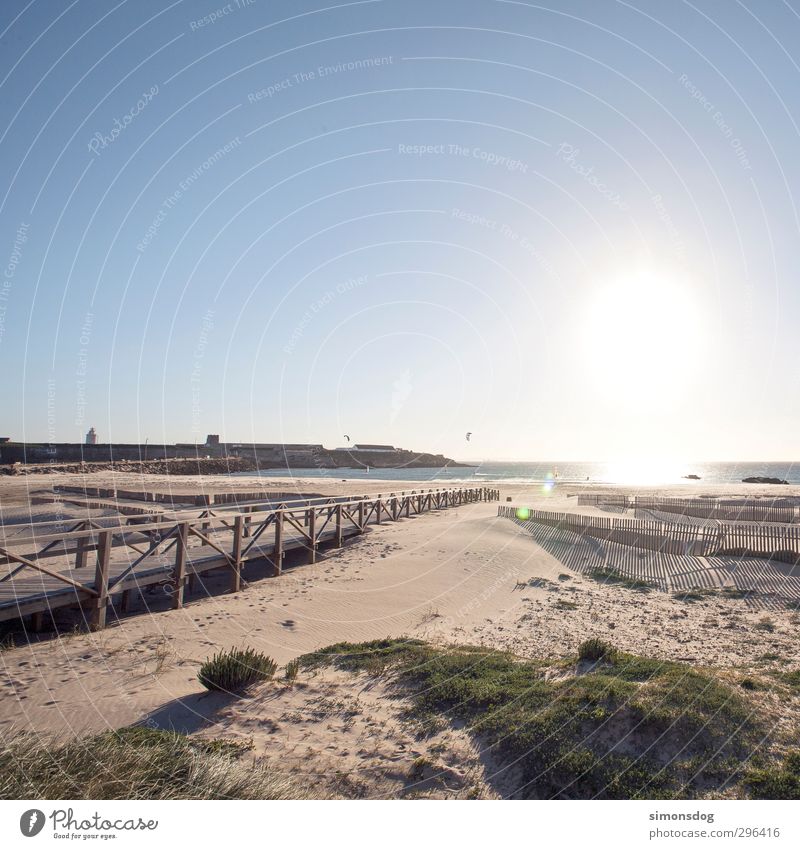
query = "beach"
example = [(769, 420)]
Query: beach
[(460, 576)]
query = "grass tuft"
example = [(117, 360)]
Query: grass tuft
[(374, 657), (609, 575), (694, 594), (234, 670), (291, 670), (595, 649)]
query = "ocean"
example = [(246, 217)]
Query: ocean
[(565, 472)]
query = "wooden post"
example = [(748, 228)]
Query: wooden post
[(246, 531), (338, 542), (125, 603), (378, 507), (312, 534), (100, 604), (179, 572), (361, 515), (277, 554), (236, 576), (80, 554)]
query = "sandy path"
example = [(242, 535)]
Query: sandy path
[(458, 564)]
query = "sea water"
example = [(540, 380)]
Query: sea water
[(564, 472)]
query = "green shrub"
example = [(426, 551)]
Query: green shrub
[(231, 671), (595, 649)]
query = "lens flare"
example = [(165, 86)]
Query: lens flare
[(523, 513)]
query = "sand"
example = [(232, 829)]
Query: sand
[(463, 575)]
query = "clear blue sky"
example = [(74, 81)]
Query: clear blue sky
[(567, 227)]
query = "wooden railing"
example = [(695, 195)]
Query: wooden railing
[(130, 514), (175, 550)]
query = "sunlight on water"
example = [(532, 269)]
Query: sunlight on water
[(645, 471), (551, 475)]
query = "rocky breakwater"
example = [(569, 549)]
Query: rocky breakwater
[(185, 466), (764, 480)]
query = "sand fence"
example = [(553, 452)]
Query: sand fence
[(772, 510), (675, 556)]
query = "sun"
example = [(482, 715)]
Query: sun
[(641, 335)]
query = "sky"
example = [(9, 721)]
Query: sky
[(565, 227)]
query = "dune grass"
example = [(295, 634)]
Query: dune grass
[(291, 670), (780, 781), (138, 763), (628, 727), (236, 669), (609, 575)]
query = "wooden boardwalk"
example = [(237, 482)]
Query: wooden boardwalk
[(93, 565)]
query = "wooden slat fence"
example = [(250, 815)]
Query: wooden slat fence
[(730, 510), (673, 538), (773, 542)]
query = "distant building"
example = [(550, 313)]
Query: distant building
[(212, 439), (367, 447), (91, 437)]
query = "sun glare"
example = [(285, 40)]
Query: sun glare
[(641, 333)]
